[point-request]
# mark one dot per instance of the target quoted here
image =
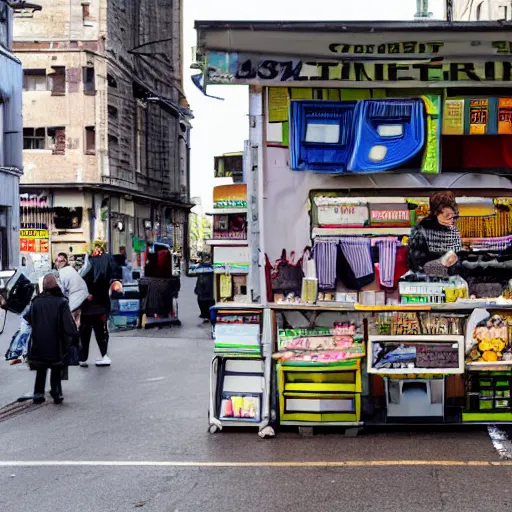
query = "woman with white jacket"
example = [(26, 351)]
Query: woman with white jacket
[(72, 285)]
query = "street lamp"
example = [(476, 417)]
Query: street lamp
[(22, 6)]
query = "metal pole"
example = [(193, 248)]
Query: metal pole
[(449, 11), (109, 224)]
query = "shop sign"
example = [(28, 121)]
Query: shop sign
[(34, 245), (390, 217), (34, 240), (400, 70), (453, 117), (343, 215), (478, 116), (34, 234), (505, 116)]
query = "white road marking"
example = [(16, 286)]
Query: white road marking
[(155, 379), (283, 464), (500, 441)]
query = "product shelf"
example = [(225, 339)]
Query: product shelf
[(320, 395), (418, 340), (228, 241), (227, 211)]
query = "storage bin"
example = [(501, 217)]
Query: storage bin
[(129, 305)]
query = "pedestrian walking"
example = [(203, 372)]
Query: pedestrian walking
[(98, 276), (53, 334), (73, 286), (204, 287)]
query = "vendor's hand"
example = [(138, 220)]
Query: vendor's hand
[(90, 298), (450, 260), (117, 286)]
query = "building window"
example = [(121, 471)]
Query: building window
[(86, 13), (4, 25), (90, 140), (89, 80), (113, 143), (34, 138), (111, 80), (113, 113), (35, 80), (141, 139), (502, 12), (58, 81), (57, 140), (53, 139)]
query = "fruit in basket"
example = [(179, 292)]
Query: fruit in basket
[(489, 356), (498, 345), (485, 345)]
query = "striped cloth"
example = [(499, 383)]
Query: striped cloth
[(497, 244), (325, 254), (357, 252), (387, 261)]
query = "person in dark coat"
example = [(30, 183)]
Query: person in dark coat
[(53, 332), (95, 310), (204, 288), (435, 237)]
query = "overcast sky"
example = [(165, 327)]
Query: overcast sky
[(221, 126)]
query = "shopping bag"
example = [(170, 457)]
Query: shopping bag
[(73, 356), (287, 275), (18, 347)]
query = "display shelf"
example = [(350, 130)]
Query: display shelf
[(452, 306), (227, 211), (241, 374), (491, 367), (368, 230), (486, 418), (231, 270), (411, 340), (320, 395), (227, 241)]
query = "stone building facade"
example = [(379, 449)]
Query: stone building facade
[(106, 124)]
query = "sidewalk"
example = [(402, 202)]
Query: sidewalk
[(125, 349)]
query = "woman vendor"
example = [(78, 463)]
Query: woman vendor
[(435, 240)]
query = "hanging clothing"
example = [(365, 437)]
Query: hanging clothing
[(325, 255), (354, 257), (387, 261), (357, 251)]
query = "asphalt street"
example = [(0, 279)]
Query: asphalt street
[(134, 437)]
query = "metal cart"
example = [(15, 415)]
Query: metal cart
[(238, 373)]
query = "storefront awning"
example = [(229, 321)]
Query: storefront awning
[(354, 54)]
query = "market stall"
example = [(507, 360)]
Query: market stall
[(380, 232), (229, 243)]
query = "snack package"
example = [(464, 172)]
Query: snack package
[(251, 407), (238, 403), (226, 408)]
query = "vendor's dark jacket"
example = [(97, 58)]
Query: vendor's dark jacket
[(53, 330), (204, 285), (429, 241), (98, 278)]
